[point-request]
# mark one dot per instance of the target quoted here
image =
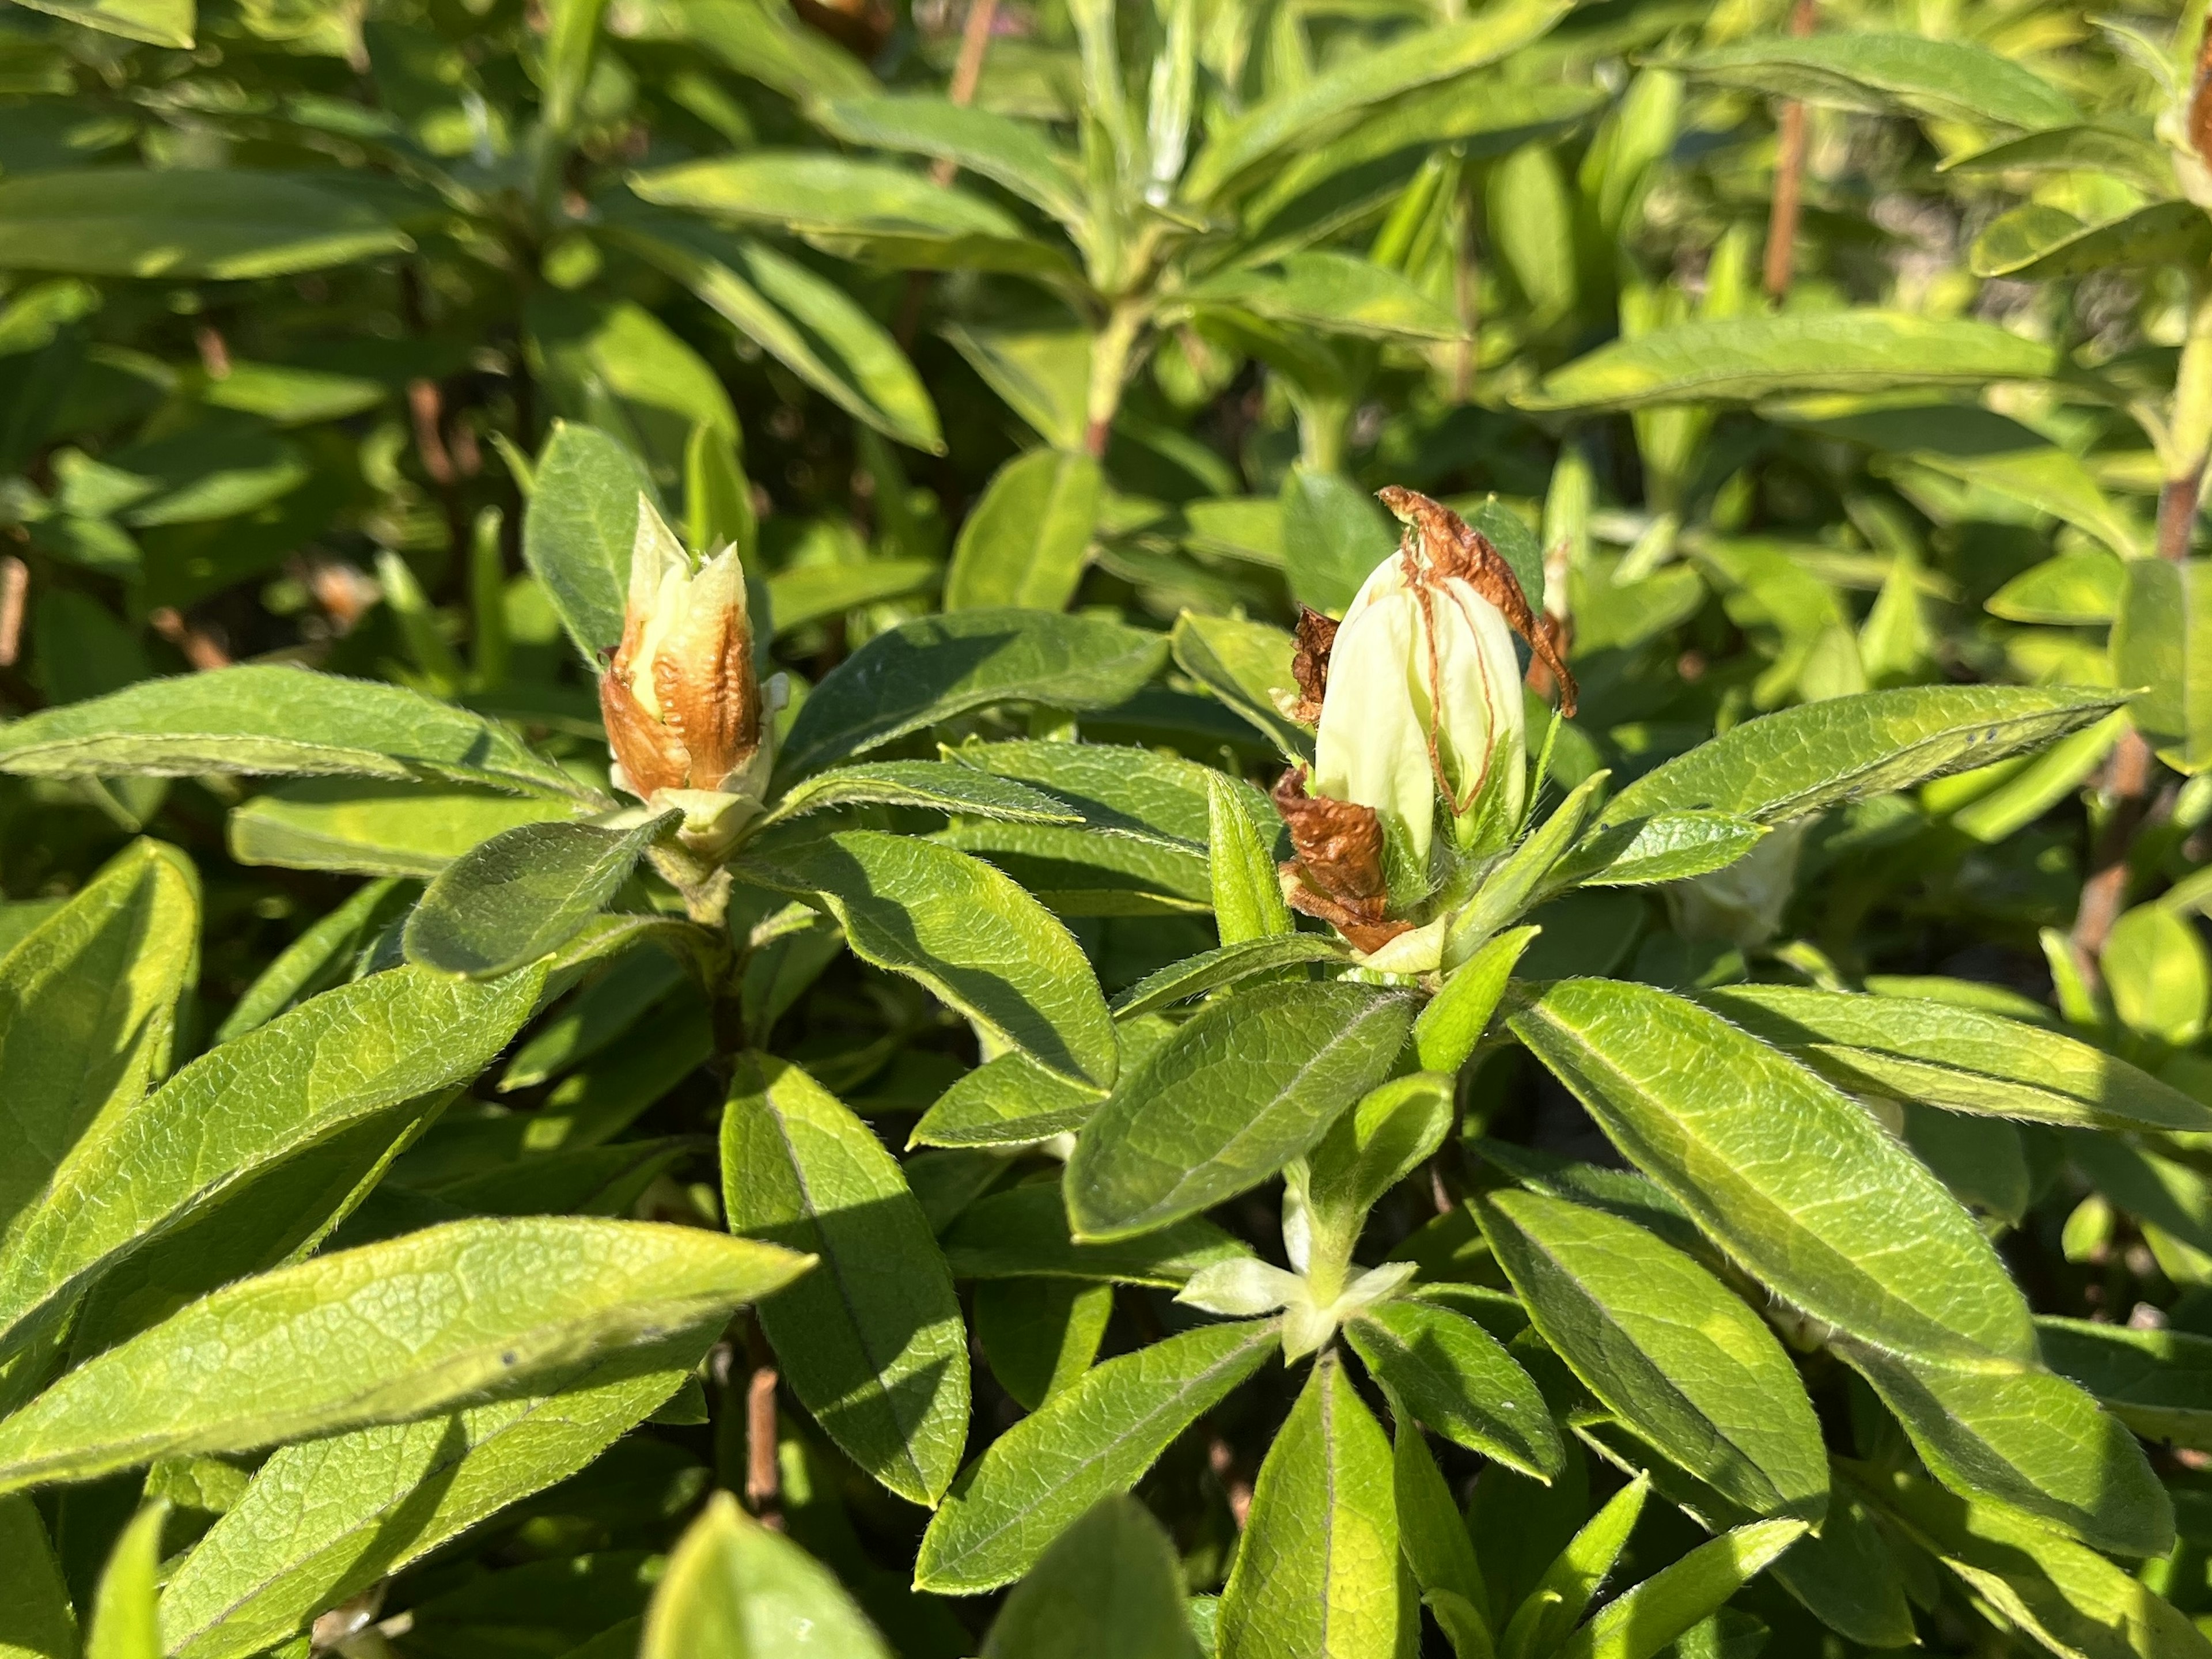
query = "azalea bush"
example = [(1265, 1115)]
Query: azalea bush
[(1046, 829)]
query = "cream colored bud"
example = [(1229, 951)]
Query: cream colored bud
[(684, 712)]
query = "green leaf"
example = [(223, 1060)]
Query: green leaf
[(1011, 1101), (1877, 74), (1247, 893), (1094, 1440), (89, 1008), (1456, 1378), (764, 40), (1333, 536), (1316, 1571), (871, 1342), (810, 325), (736, 1590), (1664, 847), (1127, 792), (2114, 147), (1023, 1233), (1960, 1059), (1801, 351), (523, 894), (1856, 1232), (935, 786), (366, 826), (2159, 1382), (1246, 665), (1303, 115), (1038, 362), (1803, 760), (381, 1333), (1564, 1593), (325, 1519), (938, 668), (188, 223), (1024, 542), (1328, 293), (1231, 964), (1435, 1540), (1248, 1085), (1644, 1619), (156, 22), (350, 1053), (1040, 1335), (1456, 1019), (577, 529), (2158, 974), (814, 593), (1519, 878), (276, 720), (35, 1618), (2083, 587), (2038, 244), (1012, 153), (959, 927), (1668, 1348), (2159, 640), (123, 1607), (2021, 1438), (2070, 1599), (1110, 1588)]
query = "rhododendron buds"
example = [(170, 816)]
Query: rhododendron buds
[(685, 710), (1417, 694)]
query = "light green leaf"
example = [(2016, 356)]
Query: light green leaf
[(323, 1520), (1137, 792), (36, 1621), (1960, 1059), (1434, 1538), (1664, 847), (1094, 1440), (1011, 1101), (578, 529), (366, 826), (1248, 1085), (1332, 293), (2038, 244), (1302, 116), (1563, 1594), (1456, 1019), (2069, 1598), (186, 222), (1232, 963), (1803, 760), (1333, 536), (940, 667), (276, 720), (1456, 1378), (736, 1590), (2084, 585), (1668, 1348), (764, 40), (1038, 362), (122, 1620), (2121, 145), (1110, 1588), (1248, 665), (935, 786), (350, 1053), (1520, 878), (810, 325), (959, 927), (156, 22), (382, 1333), (871, 1342), (88, 1005), (1878, 74), (1024, 542), (1317, 1572), (1792, 1178), (523, 894), (1006, 151), (2159, 1382), (2162, 639), (1645, 1618), (2021, 1438), (814, 593), (1801, 351), (1247, 893), (1023, 1233)]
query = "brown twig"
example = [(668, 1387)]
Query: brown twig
[(764, 1479), (15, 591), (967, 73), (1221, 1458), (1789, 179), (201, 649)]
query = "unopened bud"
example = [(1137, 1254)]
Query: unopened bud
[(684, 708)]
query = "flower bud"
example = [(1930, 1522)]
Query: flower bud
[(682, 706), (1418, 696)]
